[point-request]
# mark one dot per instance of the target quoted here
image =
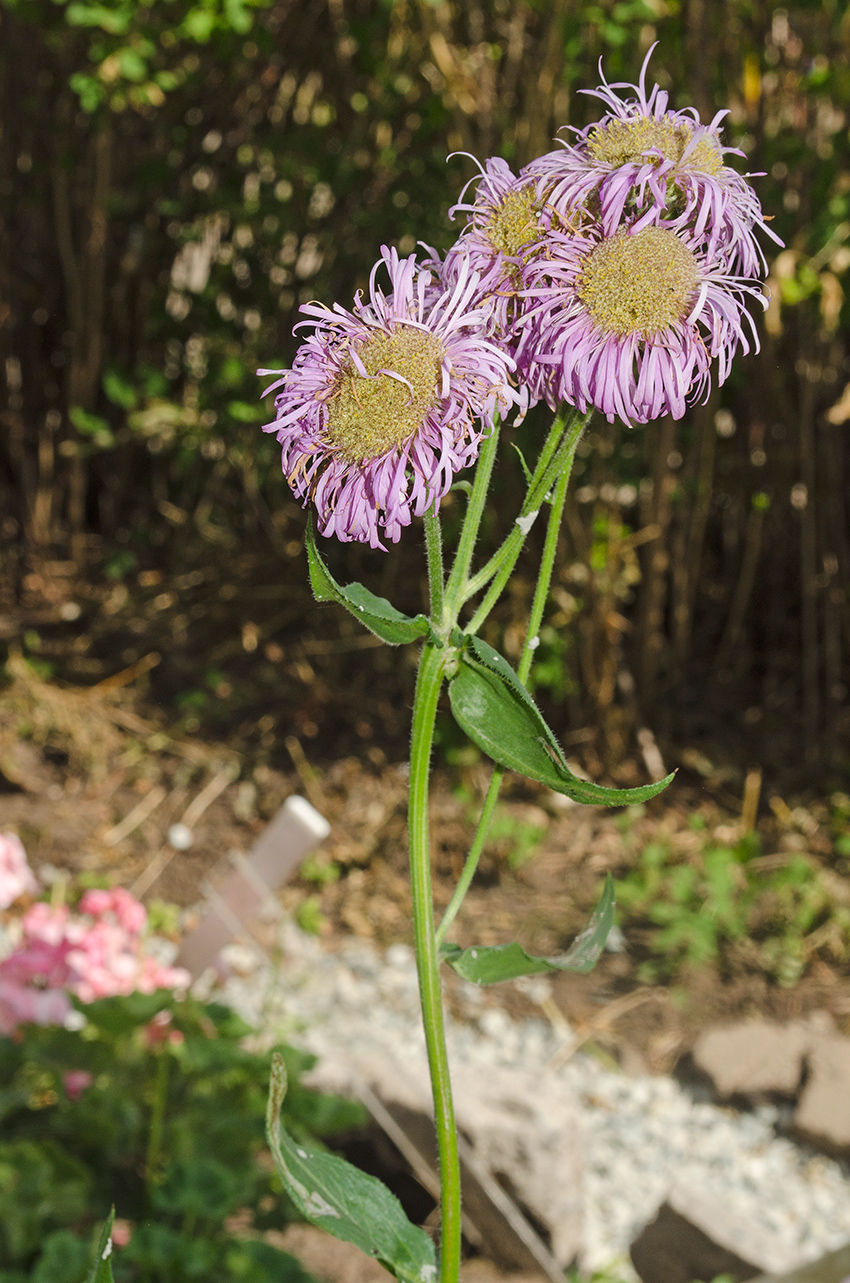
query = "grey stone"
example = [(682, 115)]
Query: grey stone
[(823, 1113), (758, 1057), (834, 1268), (696, 1237)]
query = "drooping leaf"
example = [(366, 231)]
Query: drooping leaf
[(487, 965), (492, 706), (348, 1203), (375, 613), (102, 1269)]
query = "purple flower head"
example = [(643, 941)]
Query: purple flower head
[(630, 323), (384, 404), (507, 219), (653, 166)]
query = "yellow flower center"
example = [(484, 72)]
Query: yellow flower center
[(514, 224), (638, 284), (624, 141), (368, 416)]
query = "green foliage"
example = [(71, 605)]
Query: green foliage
[(348, 1203), (495, 710), (774, 911), (491, 964), (169, 1129)]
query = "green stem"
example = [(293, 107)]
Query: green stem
[(547, 562), (561, 463), (541, 593), (531, 502), (429, 680), (474, 512), (471, 862), (434, 551), (160, 1097)]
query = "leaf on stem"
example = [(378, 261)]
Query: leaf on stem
[(101, 1271), (492, 706), (487, 965), (375, 613), (348, 1203)]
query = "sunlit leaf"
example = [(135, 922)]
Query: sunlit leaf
[(492, 706), (348, 1203), (488, 965)]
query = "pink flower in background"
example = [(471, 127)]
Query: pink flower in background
[(23, 1004), (99, 952), (75, 1082), (126, 910), (16, 876)]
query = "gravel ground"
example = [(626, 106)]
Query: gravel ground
[(642, 1134)]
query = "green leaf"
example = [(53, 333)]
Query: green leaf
[(115, 21), (492, 706), (89, 90), (375, 613), (122, 1014), (198, 24), (487, 965), (119, 390), (245, 412), (92, 426), (102, 1268), (346, 1202)]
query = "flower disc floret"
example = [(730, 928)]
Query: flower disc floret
[(630, 324), (371, 413), (647, 165), (638, 284), (514, 224), (626, 142), (384, 404)]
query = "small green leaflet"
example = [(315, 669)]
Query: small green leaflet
[(492, 706), (487, 965), (102, 1269), (346, 1202), (375, 613)]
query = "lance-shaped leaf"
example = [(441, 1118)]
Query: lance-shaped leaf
[(492, 706), (348, 1203), (487, 965), (101, 1271), (375, 613)]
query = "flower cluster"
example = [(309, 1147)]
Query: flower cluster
[(97, 952), (611, 273)]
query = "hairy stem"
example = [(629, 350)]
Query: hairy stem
[(434, 552), (471, 862), (550, 446), (560, 464), (541, 593), (429, 680), (474, 512)]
